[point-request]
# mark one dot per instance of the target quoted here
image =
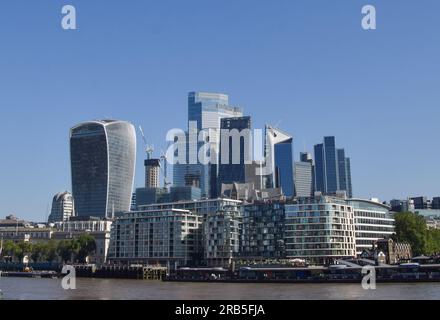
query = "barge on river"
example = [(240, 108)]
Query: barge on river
[(331, 274)]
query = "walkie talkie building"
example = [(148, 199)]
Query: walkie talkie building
[(103, 155)]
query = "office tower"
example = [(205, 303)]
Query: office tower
[(306, 157), (204, 112), (152, 173), (420, 202), (303, 179), (435, 204), (103, 157), (332, 168), (278, 152), (232, 167), (62, 207), (344, 173)]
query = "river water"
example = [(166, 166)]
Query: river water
[(116, 289)]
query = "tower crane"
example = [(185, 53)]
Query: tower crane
[(149, 149)]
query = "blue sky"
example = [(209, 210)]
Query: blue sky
[(307, 65)]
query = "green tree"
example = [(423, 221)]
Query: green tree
[(39, 252), (86, 246), (65, 250), (23, 249), (51, 251), (411, 228), (9, 249)]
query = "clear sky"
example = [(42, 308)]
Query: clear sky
[(305, 65)]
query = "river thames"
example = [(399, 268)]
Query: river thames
[(116, 289)]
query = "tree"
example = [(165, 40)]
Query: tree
[(411, 228), (51, 253), (86, 246), (23, 249), (9, 249), (65, 250)]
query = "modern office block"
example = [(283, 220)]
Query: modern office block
[(372, 222), (303, 179), (146, 196), (62, 207), (279, 154), (235, 153), (186, 193), (332, 168), (435, 204), (204, 111), (103, 157), (421, 202)]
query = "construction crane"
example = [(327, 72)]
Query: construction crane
[(149, 149)]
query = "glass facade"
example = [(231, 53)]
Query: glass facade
[(279, 152), (103, 157), (303, 179), (231, 172), (332, 168), (206, 109)]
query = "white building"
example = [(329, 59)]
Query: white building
[(372, 221), (320, 229), (62, 207), (98, 229)]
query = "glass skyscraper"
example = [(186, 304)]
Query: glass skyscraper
[(332, 168), (103, 155), (234, 172), (279, 152), (205, 110)]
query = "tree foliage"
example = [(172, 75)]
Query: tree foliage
[(411, 228), (71, 250)]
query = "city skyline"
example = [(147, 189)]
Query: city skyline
[(323, 75)]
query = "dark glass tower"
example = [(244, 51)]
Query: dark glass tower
[(103, 157), (332, 168), (230, 172), (279, 152)]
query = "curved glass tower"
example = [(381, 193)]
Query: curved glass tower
[(103, 155)]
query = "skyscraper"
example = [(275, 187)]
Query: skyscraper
[(152, 173), (62, 207), (332, 168), (103, 157), (230, 171), (303, 179), (204, 111), (279, 152)]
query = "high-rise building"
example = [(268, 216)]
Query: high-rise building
[(204, 111), (303, 179), (420, 202), (103, 157), (435, 204), (332, 168), (152, 173), (62, 207), (237, 133), (344, 172), (279, 152)]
